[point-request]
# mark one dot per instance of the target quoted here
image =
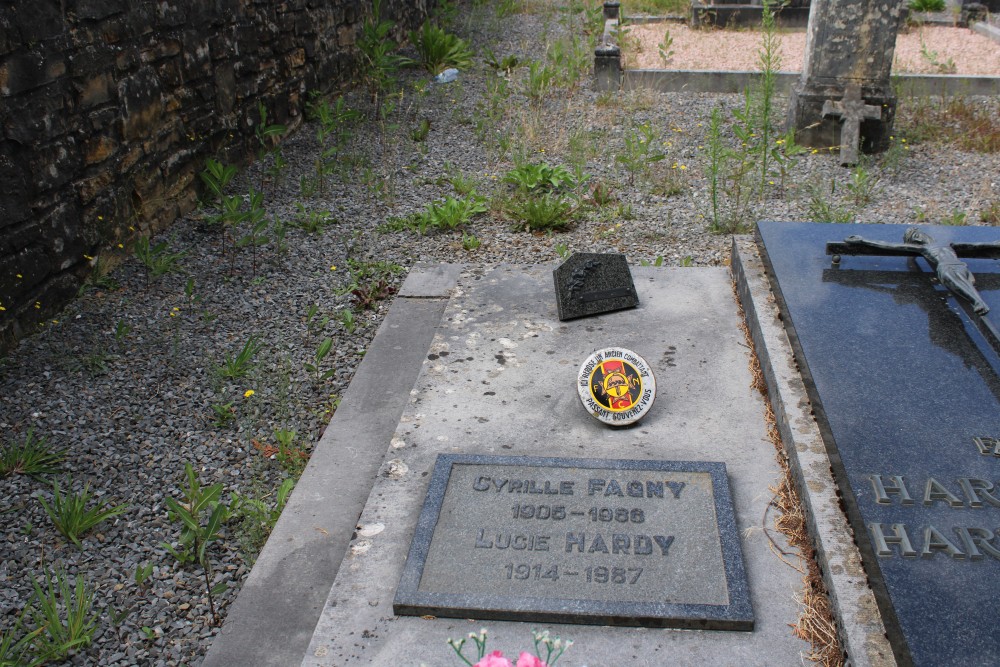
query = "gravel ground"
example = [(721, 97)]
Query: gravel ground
[(927, 49), (125, 379)]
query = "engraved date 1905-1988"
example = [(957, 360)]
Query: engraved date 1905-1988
[(598, 575), (558, 513)]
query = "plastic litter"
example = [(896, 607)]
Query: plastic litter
[(447, 76)]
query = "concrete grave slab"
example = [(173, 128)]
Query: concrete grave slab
[(499, 380)]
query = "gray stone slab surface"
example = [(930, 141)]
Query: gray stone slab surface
[(499, 380), (271, 621), (599, 541)]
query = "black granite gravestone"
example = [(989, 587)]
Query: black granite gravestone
[(608, 542), (591, 283), (906, 389)]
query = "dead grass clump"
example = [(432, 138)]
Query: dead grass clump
[(970, 125), (816, 624)]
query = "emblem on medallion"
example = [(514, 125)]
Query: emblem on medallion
[(616, 386)]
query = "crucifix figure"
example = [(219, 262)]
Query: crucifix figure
[(852, 110), (944, 258)]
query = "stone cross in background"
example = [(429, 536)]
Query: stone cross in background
[(849, 43), (852, 111)]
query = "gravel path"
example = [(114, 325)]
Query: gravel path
[(125, 380), (927, 49)]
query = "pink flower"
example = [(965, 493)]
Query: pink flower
[(528, 660), (494, 659)]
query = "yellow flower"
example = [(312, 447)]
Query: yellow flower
[(121, 247), (333, 268), (2, 309), (815, 150), (38, 305), (248, 393), (682, 167), (100, 217), (19, 276)]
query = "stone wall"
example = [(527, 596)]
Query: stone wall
[(109, 108)]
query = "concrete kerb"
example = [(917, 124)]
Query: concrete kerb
[(271, 621), (860, 626)]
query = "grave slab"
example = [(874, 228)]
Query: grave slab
[(600, 541), (499, 380), (906, 391)]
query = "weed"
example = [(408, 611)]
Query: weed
[(32, 457), (257, 236), (239, 365), (197, 532), (267, 138), (863, 186), (293, 459), (991, 214), (656, 262), (420, 132), (470, 242), (142, 574), (540, 79), (64, 613), (440, 50), (254, 516), (539, 177), (447, 214), (957, 218), (333, 131), (601, 194), (548, 211), (640, 151), (156, 259), (926, 5), (347, 320), (562, 250), (687, 261), (946, 67), (16, 643), (224, 413), (823, 208), (370, 282), (664, 48), (70, 515), (378, 62), (506, 65), (312, 221), (314, 323), (321, 353), (216, 177)]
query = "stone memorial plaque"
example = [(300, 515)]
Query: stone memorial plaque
[(590, 283), (616, 386), (905, 383), (609, 542)]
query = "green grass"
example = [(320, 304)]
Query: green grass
[(32, 457), (64, 613), (71, 516)]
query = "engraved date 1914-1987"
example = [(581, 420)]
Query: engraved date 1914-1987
[(594, 574)]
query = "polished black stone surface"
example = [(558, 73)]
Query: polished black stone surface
[(590, 283), (560, 540), (904, 385)]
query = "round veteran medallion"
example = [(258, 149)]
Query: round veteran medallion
[(616, 386)]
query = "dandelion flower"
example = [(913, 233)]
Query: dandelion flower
[(248, 393), (333, 268)]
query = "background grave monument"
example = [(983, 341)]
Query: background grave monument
[(844, 94), (906, 390)]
